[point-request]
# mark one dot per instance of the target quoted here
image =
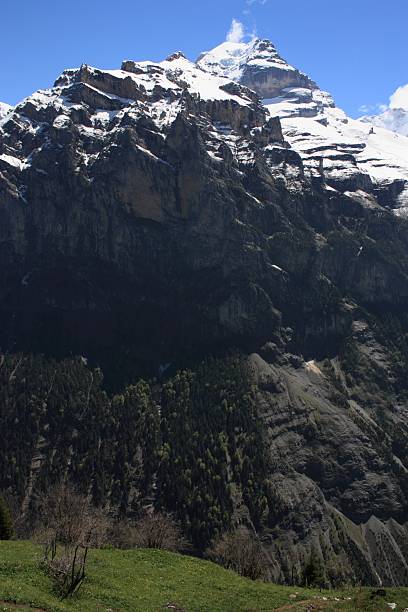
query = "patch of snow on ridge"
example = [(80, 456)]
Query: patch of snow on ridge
[(164, 113), (11, 160), (147, 78), (300, 102), (175, 74), (5, 109), (207, 86), (172, 75)]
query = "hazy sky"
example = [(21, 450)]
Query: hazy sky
[(356, 49)]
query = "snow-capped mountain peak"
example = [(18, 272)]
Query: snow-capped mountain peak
[(254, 62), (231, 58), (348, 153)]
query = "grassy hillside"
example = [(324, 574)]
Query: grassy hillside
[(151, 580)]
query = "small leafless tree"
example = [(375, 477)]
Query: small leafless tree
[(121, 534), (153, 530), (241, 552), (159, 530), (69, 526)]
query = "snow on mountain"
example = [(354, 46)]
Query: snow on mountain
[(180, 69), (230, 59), (4, 109), (345, 154), (100, 103), (257, 60), (160, 84), (176, 73), (349, 154)]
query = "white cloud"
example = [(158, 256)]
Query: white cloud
[(239, 33), (372, 108), (236, 32), (399, 98)]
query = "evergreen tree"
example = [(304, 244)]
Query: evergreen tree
[(313, 573), (6, 524)]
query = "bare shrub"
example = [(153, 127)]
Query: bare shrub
[(71, 518), (241, 552), (159, 530), (153, 530), (122, 534), (67, 568), (69, 526)]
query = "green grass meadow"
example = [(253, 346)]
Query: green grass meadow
[(142, 580)]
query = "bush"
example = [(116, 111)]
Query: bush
[(69, 526), (241, 552), (6, 523), (158, 530), (122, 534)]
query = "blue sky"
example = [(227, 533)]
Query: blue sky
[(356, 49)]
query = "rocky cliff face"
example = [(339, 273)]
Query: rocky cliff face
[(156, 214)]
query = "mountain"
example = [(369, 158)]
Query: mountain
[(203, 305), (350, 154), (109, 169), (394, 119)]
